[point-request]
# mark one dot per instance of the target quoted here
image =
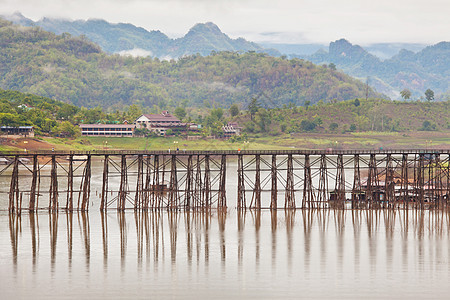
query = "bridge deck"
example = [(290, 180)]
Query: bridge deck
[(224, 152)]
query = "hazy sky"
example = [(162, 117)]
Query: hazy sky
[(286, 21)]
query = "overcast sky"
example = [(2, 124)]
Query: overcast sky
[(285, 21)]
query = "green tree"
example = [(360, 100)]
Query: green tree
[(253, 107), (180, 112), (307, 104), (428, 126), (234, 110), (333, 126), (429, 95), (262, 118), (67, 129), (134, 112), (406, 94), (307, 125), (217, 113)]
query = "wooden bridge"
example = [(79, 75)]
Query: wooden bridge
[(291, 179)]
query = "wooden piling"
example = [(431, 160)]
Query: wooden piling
[(198, 186), (86, 181), (222, 198), (241, 183), (289, 201), (123, 188), (139, 194), (340, 182), (405, 181), (188, 189), (322, 195), (104, 200), (69, 198), (173, 185), (34, 180), (14, 185), (53, 193), (207, 183), (357, 187), (308, 193), (256, 198), (389, 184), (274, 188)]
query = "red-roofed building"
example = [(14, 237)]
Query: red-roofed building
[(231, 129), (160, 122)]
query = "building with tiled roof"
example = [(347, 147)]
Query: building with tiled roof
[(107, 129), (160, 123)]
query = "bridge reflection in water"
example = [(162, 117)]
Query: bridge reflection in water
[(203, 179), (241, 253), (149, 231)]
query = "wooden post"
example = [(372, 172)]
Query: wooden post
[(274, 190), (405, 181), (241, 185), (207, 184), (32, 204), (198, 184), (155, 186), (420, 180), (86, 185), (437, 179), (448, 180), (340, 182), (389, 185), (53, 194), (323, 181), (104, 201), (308, 195), (162, 184), (372, 181), (357, 187), (139, 195), (256, 198), (222, 201), (289, 201), (69, 199), (123, 188), (173, 189), (147, 186), (14, 186), (189, 182)]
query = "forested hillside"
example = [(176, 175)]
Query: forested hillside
[(76, 71), (349, 116), (18, 109)]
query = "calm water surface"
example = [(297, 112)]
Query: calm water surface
[(293, 254)]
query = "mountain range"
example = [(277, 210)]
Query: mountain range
[(123, 38), (416, 68), (75, 70), (426, 69)]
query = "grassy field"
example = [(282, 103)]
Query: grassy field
[(173, 143), (366, 140)]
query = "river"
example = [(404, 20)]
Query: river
[(223, 255)]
